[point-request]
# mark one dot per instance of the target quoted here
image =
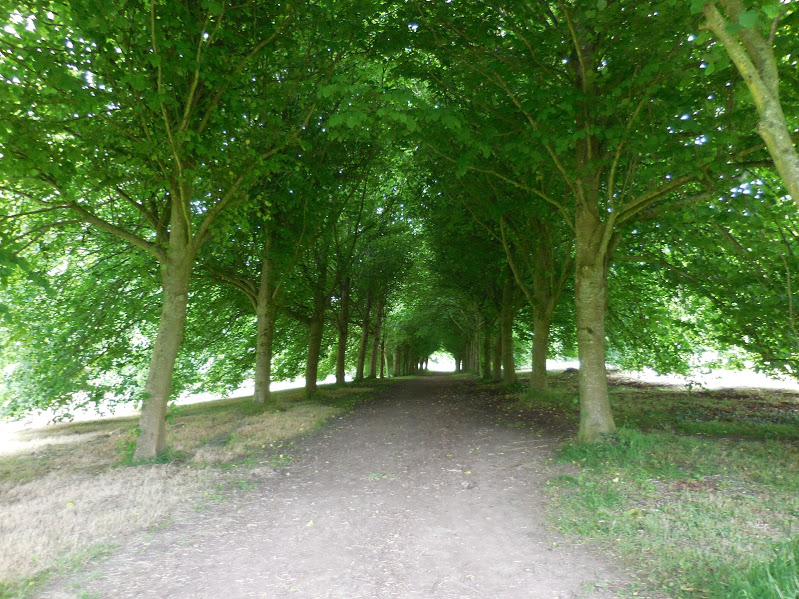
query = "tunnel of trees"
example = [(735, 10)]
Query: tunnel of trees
[(198, 193)]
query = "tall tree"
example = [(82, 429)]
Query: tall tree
[(165, 113)]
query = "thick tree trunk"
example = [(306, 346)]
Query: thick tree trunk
[(176, 273), (266, 313), (596, 418), (541, 326), (364, 339), (343, 323), (506, 323), (315, 344)]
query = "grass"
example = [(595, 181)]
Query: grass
[(698, 491), (67, 490)]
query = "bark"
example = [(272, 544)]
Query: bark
[(343, 323), (315, 343), (175, 273), (754, 58), (376, 340), (364, 339), (596, 418), (506, 323), (543, 307), (541, 328), (486, 352), (266, 314), (497, 354)]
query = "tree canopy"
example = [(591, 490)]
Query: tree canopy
[(196, 194)]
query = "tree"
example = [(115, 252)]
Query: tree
[(164, 113), (750, 38)]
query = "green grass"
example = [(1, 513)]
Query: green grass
[(698, 491)]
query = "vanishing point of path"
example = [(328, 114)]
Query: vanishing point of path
[(419, 494)]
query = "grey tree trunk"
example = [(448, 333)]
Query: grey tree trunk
[(506, 324), (315, 344), (497, 355), (486, 373), (544, 305), (596, 418), (266, 314), (376, 340), (175, 276), (541, 326), (359, 370)]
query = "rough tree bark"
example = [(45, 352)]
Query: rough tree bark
[(175, 276), (596, 418)]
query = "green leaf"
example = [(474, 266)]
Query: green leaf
[(733, 28), (749, 18), (696, 6)]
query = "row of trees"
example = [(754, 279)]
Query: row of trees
[(433, 173)]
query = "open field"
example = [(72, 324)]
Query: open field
[(699, 490), (67, 493)]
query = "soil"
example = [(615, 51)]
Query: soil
[(419, 493)]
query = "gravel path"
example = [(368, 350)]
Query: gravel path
[(418, 494)]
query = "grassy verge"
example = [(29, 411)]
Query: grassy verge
[(698, 492), (68, 493)]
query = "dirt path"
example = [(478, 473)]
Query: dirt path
[(418, 494)]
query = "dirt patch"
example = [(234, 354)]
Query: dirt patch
[(421, 493)]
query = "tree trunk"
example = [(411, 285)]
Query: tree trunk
[(376, 340), (265, 313), (754, 58), (364, 339), (506, 323), (543, 306), (343, 323), (541, 325), (596, 418), (315, 344), (175, 273), (486, 352), (383, 359), (497, 374)]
